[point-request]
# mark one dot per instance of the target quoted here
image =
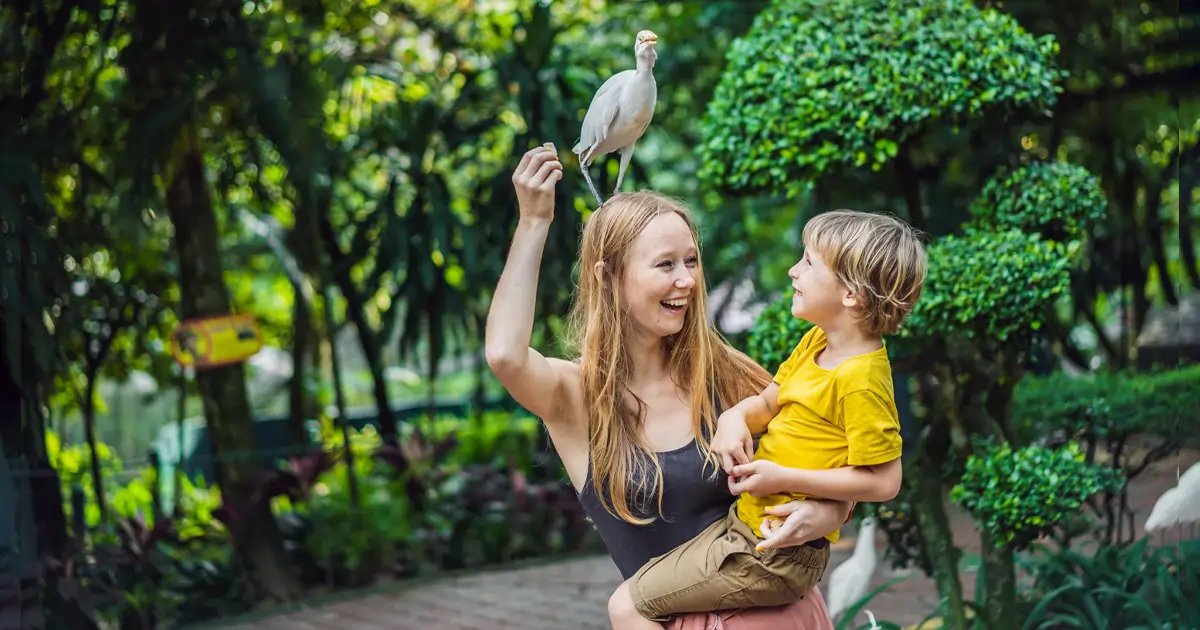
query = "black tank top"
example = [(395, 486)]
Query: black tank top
[(691, 502)]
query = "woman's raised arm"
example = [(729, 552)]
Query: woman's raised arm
[(533, 380)]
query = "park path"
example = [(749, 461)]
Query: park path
[(574, 593)]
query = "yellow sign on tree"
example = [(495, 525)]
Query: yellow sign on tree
[(211, 342)]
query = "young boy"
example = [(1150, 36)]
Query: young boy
[(832, 430)]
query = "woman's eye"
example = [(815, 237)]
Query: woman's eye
[(666, 264), (692, 262)]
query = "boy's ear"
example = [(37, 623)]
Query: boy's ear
[(850, 299)]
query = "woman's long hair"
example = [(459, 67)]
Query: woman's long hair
[(702, 363)]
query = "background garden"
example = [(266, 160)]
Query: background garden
[(341, 171)]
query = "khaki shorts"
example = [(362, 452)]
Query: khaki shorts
[(720, 570)]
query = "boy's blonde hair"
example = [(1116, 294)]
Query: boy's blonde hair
[(878, 257)]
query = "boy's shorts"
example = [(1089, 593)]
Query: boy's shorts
[(720, 570)]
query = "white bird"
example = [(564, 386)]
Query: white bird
[(620, 112), (1179, 505), (848, 582)]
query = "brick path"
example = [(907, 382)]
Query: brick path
[(574, 593)]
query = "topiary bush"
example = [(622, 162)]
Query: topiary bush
[(775, 334), (1110, 405), (1019, 496), (1129, 420), (1061, 201), (988, 286), (815, 86)]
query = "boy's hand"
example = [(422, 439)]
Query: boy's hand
[(733, 443), (759, 478)]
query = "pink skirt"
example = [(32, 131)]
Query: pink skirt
[(807, 614)]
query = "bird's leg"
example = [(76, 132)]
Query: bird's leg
[(626, 155), (592, 187)]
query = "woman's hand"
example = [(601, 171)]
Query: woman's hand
[(732, 442), (534, 181), (802, 521)]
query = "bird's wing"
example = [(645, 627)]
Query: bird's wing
[(1165, 512), (841, 580), (601, 113)]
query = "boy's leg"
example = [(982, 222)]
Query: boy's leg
[(623, 612), (717, 570)]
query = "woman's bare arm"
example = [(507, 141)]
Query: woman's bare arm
[(533, 380)]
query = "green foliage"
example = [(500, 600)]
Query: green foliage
[(1061, 201), (476, 503), (1115, 586), (775, 334), (1109, 406), (989, 286), (1019, 496), (180, 569), (818, 86)]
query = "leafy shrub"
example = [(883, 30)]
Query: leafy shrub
[(1110, 405), (1111, 412), (1018, 496), (1061, 201), (438, 501), (1116, 586), (775, 334), (988, 286), (815, 86)]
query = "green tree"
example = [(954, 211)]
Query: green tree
[(876, 93), (169, 92)]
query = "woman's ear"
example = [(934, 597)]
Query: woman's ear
[(598, 270)]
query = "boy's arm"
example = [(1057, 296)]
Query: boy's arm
[(875, 484), (758, 410)]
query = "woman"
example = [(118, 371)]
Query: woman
[(632, 417)]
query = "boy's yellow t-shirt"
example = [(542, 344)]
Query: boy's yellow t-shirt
[(827, 419)]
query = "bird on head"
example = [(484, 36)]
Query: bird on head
[(620, 112)]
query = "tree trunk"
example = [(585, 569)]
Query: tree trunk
[(999, 584), (302, 338), (89, 428), (223, 390), (1187, 247), (910, 185), (356, 313), (335, 367), (939, 541), (30, 595)]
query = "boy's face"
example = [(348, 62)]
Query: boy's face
[(819, 297)]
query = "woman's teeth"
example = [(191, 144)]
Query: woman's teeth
[(674, 305)]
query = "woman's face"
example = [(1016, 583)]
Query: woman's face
[(661, 276)]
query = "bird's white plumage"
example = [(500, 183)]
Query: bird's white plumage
[(849, 581), (620, 112), (1179, 504)]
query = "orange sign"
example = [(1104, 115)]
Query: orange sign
[(211, 342)]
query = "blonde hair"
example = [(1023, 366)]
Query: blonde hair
[(878, 257), (700, 361)]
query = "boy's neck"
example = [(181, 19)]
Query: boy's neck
[(845, 339)]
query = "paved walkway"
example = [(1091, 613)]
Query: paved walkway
[(574, 593)]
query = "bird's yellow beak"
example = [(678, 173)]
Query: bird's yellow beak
[(652, 38)]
